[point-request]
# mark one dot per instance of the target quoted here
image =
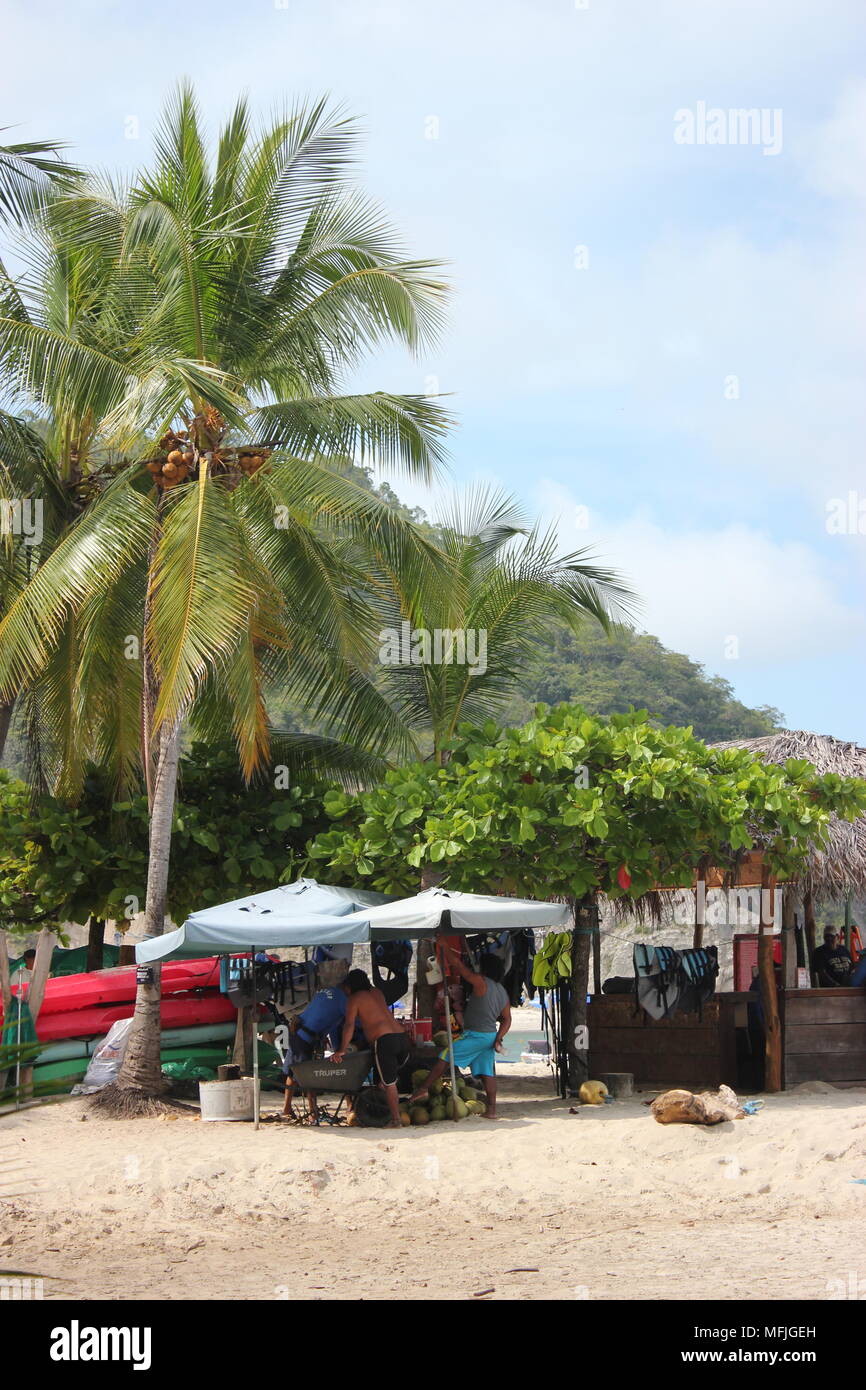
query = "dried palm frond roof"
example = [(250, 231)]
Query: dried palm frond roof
[(841, 869)]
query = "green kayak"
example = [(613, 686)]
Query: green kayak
[(67, 1072)]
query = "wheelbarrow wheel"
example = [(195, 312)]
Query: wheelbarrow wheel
[(371, 1108)]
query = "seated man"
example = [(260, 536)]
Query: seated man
[(486, 1020), (831, 963), (388, 1038), (320, 1023)]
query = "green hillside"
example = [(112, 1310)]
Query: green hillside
[(608, 676)]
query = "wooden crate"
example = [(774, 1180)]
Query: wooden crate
[(686, 1050), (824, 1035)]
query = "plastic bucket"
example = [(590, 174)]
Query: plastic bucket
[(434, 971), (227, 1100)]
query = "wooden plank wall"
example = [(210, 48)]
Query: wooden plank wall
[(681, 1051), (824, 1033)]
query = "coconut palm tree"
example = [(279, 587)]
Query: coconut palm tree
[(29, 172), (202, 404), (460, 651), (54, 461)]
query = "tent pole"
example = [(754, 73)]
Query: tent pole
[(444, 964), (18, 1049), (255, 1047)]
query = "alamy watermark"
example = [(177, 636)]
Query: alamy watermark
[(443, 646), (21, 1288), (742, 909), (22, 516), (732, 125), (846, 516), (853, 1287), (77, 1343)]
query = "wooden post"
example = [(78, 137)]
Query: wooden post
[(425, 995), (847, 928), (576, 1035), (700, 905), (5, 989), (811, 943), (95, 942), (769, 994), (242, 1055), (789, 944), (595, 939)]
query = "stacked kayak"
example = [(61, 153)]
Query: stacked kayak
[(64, 1074), (198, 1022)]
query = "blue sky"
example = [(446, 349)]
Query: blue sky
[(697, 386)]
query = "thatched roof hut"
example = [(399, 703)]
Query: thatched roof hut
[(842, 869)]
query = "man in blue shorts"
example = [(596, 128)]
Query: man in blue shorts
[(486, 1020)]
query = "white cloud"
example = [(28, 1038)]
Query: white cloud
[(702, 586)]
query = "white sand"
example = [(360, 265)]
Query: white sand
[(603, 1204)]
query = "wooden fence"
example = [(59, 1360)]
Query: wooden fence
[(823, 1035), (823, 1039)]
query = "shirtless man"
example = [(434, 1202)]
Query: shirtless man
[(388, 1039)]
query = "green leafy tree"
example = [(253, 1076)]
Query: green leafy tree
[(570, 806), (226, 831), (62, 862)]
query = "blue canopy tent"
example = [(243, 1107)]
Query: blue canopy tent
[(307, 913), (300, 914)]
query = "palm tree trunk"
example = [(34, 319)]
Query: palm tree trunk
[(141, 1065), (5, 721), (576, 1035), (45, 944)]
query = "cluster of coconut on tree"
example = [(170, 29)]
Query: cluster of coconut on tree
[(180, 458)]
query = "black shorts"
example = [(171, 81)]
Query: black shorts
[(390, 1052)]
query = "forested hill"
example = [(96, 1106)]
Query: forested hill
[(607, 676)]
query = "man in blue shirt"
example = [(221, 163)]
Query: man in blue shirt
[(320, 1023)]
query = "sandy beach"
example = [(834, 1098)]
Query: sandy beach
[(601, 1204)]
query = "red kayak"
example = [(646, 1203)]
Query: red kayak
[(66, 992), (176, 1011)]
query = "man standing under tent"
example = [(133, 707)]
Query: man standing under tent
[(388, 1038), (486, 1020)]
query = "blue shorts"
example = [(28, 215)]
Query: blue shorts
[(298, 1051), (475, 1051)]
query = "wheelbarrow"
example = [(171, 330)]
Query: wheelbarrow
[(344, 1079)]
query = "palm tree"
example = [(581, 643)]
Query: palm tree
[(510, 580), (29, 171), (239, 291), (55, 459)]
